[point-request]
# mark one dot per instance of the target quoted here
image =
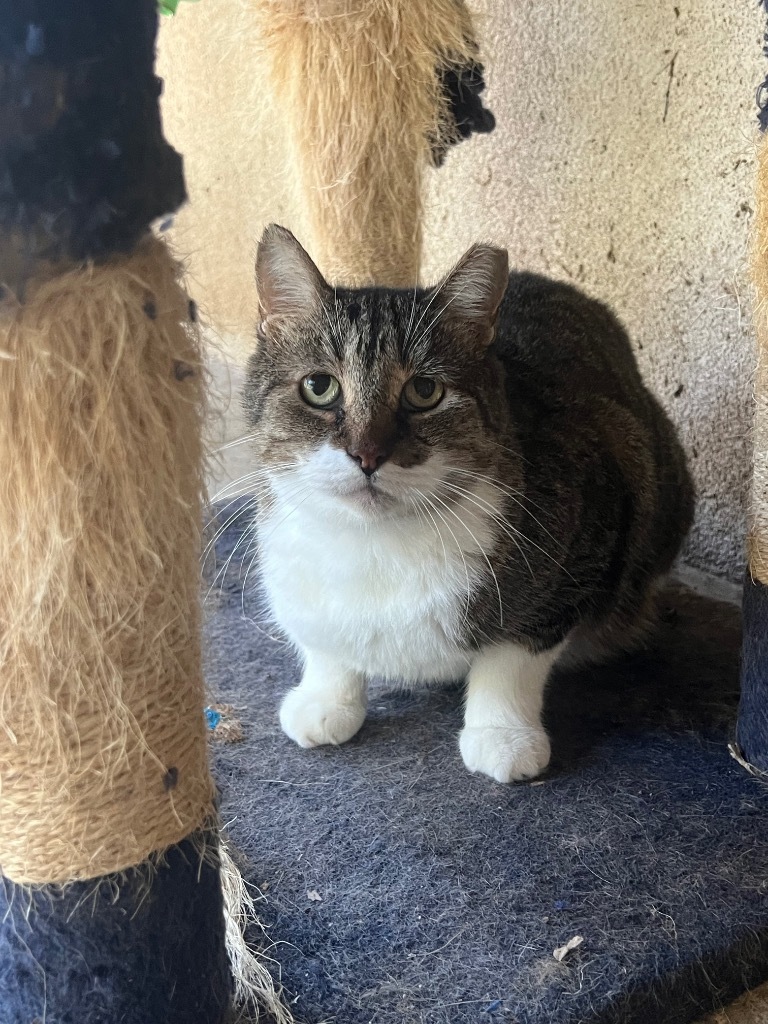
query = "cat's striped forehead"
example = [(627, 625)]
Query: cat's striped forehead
[(370, 328)]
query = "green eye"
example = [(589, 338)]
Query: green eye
[(422, 393), (320, 390)]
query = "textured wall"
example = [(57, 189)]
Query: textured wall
[(623, 160)]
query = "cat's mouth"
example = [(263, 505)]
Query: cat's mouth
[(367, 496)]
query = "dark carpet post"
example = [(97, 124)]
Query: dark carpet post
[(399, 889)]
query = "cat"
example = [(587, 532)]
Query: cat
[(468, 481)]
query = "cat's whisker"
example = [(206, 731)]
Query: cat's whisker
[(234, 443), (476, 630), (222, 573), (261, 617), (410, 319), (524, 537), (459, 548), (465, 620), (515, 495), (253, 561), (248, 534), (250, 508), (459, 495), (232, 519), (434, 320), (251, 553), (253, 542), (486, 506), (285, 497), (491, 480), (260, 474), (482, 552), (434, 523), (335, 333), (226, 492), (286, 494), (251, 503), (262, 540), (512, 451), (281, 640), (495, 516), (424, 312)]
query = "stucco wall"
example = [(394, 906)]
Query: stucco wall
[(623, 161)]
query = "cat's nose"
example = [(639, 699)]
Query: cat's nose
[(369, 456)]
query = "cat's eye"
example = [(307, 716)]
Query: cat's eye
[(422, 393), (320, 390)]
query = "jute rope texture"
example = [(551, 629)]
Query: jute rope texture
[(102, 742), (355, 83)]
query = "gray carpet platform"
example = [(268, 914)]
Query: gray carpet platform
[(399, 889)]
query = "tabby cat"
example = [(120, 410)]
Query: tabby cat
[(468, 481)]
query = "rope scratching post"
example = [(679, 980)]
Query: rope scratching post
[(752, 729), (393, 83), (111, 902)]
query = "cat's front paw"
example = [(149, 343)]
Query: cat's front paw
[(505, 754), (312, 718)]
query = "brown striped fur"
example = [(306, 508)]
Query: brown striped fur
[(547, 403)]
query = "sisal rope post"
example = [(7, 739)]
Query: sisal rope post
[(360, 89), (102, 747), (117, 900)]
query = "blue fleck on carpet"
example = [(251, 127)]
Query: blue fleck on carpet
[(400, 889)]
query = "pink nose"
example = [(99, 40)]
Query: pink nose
[(369, 456)]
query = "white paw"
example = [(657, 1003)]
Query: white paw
[(506, 755), (314, 717)]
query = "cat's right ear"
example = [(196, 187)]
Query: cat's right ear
[(290, 286)]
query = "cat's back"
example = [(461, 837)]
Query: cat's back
[(564, 343), (600, 451)]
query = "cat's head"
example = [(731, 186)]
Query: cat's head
[(365, 399)]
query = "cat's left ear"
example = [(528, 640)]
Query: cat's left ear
[(472, 292), (290, 286)]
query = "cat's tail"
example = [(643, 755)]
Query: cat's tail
[(627, 630)]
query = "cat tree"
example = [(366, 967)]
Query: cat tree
[(394, 83), (111, 896), (111, 902)]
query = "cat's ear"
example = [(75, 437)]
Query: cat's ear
[(289, 285), (472, 292)]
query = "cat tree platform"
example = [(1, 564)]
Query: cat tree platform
[(399, 889)]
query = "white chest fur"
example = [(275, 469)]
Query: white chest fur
[(386, 598)]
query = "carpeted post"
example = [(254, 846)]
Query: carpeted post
[(369, 94), (111, 904), (752, 728)]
